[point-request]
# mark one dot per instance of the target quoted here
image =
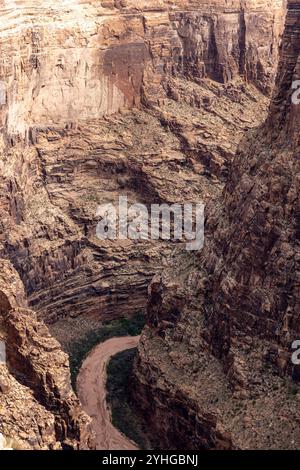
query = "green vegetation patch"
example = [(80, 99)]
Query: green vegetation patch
[(124, 418), (79, 350)]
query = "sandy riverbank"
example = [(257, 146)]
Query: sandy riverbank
[(91, 388)]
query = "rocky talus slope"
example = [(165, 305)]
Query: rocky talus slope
[(214, 367), (97, 99)]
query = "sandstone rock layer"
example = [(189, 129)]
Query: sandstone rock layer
[(147, 98), (220, 335)]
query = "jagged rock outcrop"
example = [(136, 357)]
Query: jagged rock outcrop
[(220, 335), (77, 169), (188, 63), (148, 98), (38, 409)]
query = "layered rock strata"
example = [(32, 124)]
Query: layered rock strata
[(38, 409), (73, 62), (69, 61), (148, 99), (218, 345)]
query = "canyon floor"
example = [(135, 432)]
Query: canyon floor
[(91, 389)]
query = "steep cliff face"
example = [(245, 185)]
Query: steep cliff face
[(196, 66), (147, 98), (70, 61), (220, 336), (37, 405), (262, 195)]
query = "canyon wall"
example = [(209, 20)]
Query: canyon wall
[(72, 61), (38, 409), (215, 358), (198, 68), (97, 99)]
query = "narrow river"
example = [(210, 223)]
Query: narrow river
[(91, 389)]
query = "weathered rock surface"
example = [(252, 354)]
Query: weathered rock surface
[(148, 98), (220, 334), (77, 62), (65, 59), (54, 247), (38, 409)]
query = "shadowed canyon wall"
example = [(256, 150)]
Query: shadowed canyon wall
[(66, 65), (215, 359), (147, 98), (38, 409)]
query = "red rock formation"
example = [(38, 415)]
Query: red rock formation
[(38, 408), (261, 198), (221, 335), (199, 73), (75, 61), (178, 58)]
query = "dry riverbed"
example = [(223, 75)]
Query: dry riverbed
[(91, 389)]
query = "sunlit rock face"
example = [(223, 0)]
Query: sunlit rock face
[(4, 443), (55, 65), (202, 69), (70, 61), (39, 410), (150, 98), (216, 357)]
